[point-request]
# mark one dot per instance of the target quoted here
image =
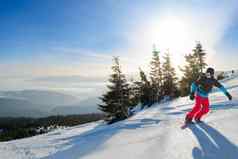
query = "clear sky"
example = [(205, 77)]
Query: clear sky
[(69, 44)]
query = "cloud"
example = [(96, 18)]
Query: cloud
[(82, 87), (71, 79), (75, 71)]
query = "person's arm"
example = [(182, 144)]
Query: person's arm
[(194, 87), (223, 89)]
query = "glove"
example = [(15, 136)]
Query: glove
[(228, 96), (192, 96)]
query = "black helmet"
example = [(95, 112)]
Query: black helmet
[(211, 71)]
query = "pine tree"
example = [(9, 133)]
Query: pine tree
[(134, 93), (116, 100), (193, 68), (140, 91), (191, 73), (200, 56), (156, 77), (169, 78), (146, 90)]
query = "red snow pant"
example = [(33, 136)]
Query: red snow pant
[(201, 108)]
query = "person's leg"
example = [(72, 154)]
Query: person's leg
[(204, 110), (196, 108)]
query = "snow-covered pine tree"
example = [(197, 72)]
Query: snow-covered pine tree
[(116, 101), (156, 77), (169, 78)]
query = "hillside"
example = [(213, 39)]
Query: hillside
[(153, 133)]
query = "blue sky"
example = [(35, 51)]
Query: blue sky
[(63, 38), (30, 26)]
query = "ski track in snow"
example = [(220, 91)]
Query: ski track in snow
[(153, 133)]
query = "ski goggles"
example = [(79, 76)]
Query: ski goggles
[(209, 75)]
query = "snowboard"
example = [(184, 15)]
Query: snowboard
[(185, 125)]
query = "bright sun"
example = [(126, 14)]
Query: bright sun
[(172, 34)]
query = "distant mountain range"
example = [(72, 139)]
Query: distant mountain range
[(10, 107), (41, 97), (84, 107), (37, 103)]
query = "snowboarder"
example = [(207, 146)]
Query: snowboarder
[(200, 90)]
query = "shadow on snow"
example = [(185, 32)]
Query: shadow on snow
[(225, 105), (213, 144), (94, 139)]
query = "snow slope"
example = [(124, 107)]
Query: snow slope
[(154, 133)]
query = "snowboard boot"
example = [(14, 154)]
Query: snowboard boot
[(198, 120), (188, 120)]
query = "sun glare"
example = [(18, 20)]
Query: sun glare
[(172, 34)]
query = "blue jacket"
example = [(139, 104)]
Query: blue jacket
[(203, 86)]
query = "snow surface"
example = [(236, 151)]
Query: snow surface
[(154, 133)]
